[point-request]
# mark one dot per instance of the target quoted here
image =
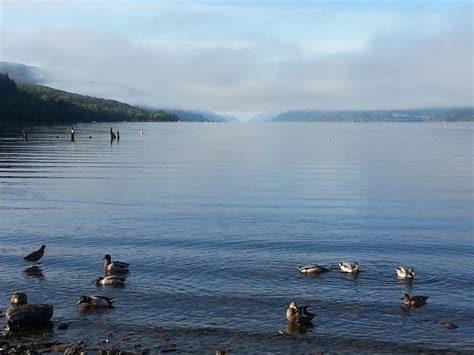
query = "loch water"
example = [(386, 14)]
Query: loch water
[(215, 218)]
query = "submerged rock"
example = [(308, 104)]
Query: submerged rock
[(448, 325), (62, 326)]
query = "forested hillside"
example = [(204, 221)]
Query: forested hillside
[(24, 104)]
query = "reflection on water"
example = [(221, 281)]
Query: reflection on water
[(87, 311), (298, 329), (34, 271)]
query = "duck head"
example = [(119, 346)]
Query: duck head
[(43, 247), (19, 298), (108, 259), (83, 299), (98, 280), (293, 305), (406, 296)]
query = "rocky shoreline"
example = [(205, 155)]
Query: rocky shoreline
[(36, 342)]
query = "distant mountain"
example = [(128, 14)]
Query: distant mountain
[(415, 115), (24, 73), (214, 117), (25, 104), (194, 116), (456, 114), (264, 117)]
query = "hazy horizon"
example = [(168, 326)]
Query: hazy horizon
[(243, 58)]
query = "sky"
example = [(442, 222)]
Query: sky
[(248, 57)]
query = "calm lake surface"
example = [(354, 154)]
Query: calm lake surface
[(215, 218)]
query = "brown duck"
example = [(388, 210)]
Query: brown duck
[(299, 315), (414, 301)]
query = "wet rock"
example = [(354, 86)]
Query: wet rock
[(222, 351), (137, 345), (20, 349), (125, 338), (29, 315), (75, 348), (62, 326), (31, 352), (59, 348), (170, 349), (102, 352), (448, 325)]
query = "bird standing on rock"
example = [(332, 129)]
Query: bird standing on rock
[(36, 255)]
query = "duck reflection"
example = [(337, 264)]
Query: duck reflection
[(85, 311), (296, 329), (405, 283), (34, 271)]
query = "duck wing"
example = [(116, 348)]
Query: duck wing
[(121, 264), (35, 255), (103, 300), (303, 311)]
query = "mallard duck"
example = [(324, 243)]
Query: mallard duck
[(95, 301), (414, 301), (312, 269), (404, 273), (299, 315), (110, 281), (116, 267), (34, 256), (349, 267), (20, 314)]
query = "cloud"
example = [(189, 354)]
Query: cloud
[(423, 61)]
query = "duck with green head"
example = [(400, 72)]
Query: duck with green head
[(405, 273)]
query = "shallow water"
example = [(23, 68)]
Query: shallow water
[(214, 219)]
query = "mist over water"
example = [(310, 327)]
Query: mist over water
[(214, 219)]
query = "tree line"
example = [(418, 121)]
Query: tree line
[(27, 104)]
